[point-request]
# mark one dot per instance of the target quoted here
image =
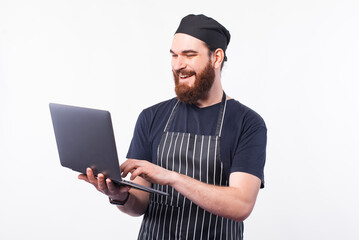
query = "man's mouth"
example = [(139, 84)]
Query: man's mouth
[(184, 76)]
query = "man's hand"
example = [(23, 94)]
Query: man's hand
[(148, 171), (106, 186)]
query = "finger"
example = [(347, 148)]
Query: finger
[(101, 183), (116, 190), (123, 165), (127, 167), (137, 172), (128, 161), (111, 186), (91, 176), (131, 165), (83, 177)]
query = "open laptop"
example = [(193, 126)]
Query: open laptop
[(85, 139)]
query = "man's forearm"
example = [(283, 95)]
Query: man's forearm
[(231, 202)]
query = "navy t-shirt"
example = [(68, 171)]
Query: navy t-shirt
[(243, 140)]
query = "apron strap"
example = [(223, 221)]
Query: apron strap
[(170, 119), (221, 113)]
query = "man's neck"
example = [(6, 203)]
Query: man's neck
[(214, 95)]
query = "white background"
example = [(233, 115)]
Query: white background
[(294, 62)]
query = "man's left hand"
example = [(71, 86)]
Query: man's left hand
[(148, 171)]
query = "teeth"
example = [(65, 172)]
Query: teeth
[(184, 76)]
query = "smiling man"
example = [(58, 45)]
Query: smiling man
[(205, 149)]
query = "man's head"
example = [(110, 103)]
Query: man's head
[(198, 53)]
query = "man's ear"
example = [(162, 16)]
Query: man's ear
[(218, 57)]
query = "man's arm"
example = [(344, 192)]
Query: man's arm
[(235, 201), (137, 202)]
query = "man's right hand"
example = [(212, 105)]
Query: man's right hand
[(106, 186)]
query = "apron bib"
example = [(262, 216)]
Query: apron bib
[(176, 217)]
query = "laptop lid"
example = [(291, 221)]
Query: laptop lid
[(85, 139)]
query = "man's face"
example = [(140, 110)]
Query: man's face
[(192, 68)]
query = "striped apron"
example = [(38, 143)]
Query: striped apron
[(176, 217)]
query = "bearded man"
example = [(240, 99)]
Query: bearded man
[(205, 149)]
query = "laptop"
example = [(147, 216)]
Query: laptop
[(85, 139)]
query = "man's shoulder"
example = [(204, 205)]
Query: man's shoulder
[(159, 109), (247, 114)]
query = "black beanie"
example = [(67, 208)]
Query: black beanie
[(206, 29)]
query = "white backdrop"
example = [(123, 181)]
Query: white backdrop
[(294, 62)]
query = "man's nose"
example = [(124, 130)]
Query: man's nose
[(178, 63)]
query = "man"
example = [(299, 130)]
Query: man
[(203, 148)]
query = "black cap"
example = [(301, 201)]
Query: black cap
[(206, 29)]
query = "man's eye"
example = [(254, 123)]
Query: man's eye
[(191, 55)]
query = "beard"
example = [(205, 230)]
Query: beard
[(200, 89)]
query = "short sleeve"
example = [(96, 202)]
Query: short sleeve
[(140, 147), (250, 152)]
